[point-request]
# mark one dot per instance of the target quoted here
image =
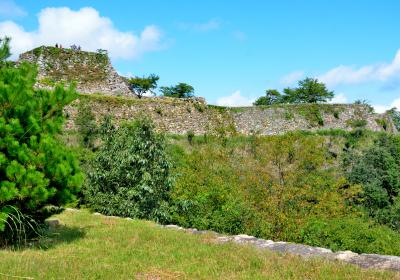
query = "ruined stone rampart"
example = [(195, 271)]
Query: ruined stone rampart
[(177, 116)]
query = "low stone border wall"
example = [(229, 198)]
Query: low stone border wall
[(373, 261), (363, 260)]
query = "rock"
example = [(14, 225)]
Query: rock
[(97, 214), (224, 239), (71, 209), (376, 261), (345, 255), (52, 223), (173, 227), (306, 251), (244, 238)]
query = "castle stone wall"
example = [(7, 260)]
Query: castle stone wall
[(181, 116)]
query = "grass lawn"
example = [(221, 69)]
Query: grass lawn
[(87, 246)]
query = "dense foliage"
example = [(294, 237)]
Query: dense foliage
[(309, 90), (181, 90), (35, 169), (130, 174), (142, 85), (272, 96), (288, 187), (377, 169)]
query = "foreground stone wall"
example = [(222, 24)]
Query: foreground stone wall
[(177, 116)]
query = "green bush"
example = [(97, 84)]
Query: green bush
[(130, 174), (353, 234), (35, 169), (264, 186), (377, 170)]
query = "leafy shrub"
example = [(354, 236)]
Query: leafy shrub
[(264, 186), (190, 136), (35, 169), (353, 234), (199, 107), (377, 170), (336, 115), (130, 174), (383, 123)]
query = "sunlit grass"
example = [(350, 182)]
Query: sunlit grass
[(86, 246)]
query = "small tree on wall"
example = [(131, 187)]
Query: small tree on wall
[(272, 96), (309, 90), (143, 85), (181, 90)]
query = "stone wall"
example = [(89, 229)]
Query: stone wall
[(92, 72), (181, 116)]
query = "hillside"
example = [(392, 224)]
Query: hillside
[(85, 246)]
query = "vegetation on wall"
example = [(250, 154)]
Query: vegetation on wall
[(71, 65)]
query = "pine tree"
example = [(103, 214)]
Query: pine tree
[(35, 169)]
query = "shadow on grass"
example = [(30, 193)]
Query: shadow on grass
[(49, 238), (58, 235)]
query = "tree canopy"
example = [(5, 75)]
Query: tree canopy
[(272, 96), (181, 90), (143, 85), (309, 90)]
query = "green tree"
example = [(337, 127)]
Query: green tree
[(181, 90), (309, 90), (377, 170), (141, 86), (131, 176), (272, 96), (35, 169)]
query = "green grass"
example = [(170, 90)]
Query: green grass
[(86, 246)]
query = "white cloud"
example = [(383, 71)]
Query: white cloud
[(383, 72), (84, 27), (212, 24), (235, 100), (10, 9), (339, 99), (383, 108), (291, 78)]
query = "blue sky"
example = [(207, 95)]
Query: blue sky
[(229, 51)]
